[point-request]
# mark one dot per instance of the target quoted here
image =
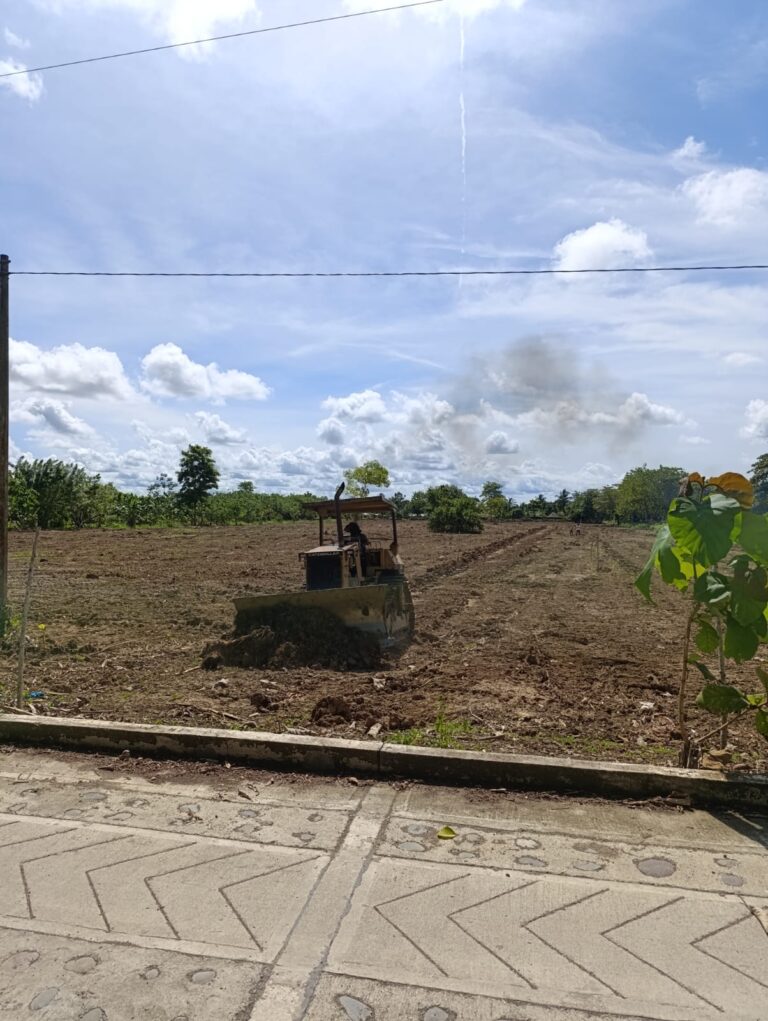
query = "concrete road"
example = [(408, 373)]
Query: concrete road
[(231, 897)]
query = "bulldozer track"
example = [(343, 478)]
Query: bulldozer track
[(471, 557)]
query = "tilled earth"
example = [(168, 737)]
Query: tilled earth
[(529, 639)]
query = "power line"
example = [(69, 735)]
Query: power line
[(220, 38), (395, 273)]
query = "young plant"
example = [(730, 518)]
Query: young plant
[(714, 548)]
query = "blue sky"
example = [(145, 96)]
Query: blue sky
[(596, 134)]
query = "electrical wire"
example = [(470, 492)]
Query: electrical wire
[(393, 273), (220, 38)]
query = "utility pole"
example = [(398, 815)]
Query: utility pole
[(5, 339)]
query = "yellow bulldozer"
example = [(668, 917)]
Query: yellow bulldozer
[(361, 581)]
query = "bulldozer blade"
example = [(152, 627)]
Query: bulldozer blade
[(385, 611)]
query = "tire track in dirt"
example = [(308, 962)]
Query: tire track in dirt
[(469, 558)]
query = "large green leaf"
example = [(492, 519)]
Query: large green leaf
[(753, 537), (707, 639), (761, 722), (749, 591), (703, 528), (713, 589), (663, 541), (721, 699), (741, 642), (669, 566)]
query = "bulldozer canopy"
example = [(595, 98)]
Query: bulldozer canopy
[(355, 505)]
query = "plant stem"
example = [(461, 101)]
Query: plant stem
[(23, 628), (682, 724), (715, 730), (721, 661)]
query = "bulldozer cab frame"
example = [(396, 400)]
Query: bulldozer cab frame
[(363, 584), (348, 563)]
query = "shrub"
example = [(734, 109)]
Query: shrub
[(456, 514)]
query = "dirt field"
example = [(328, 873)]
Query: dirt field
[(522, 642)]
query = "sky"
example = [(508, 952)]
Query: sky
[(470, 134)]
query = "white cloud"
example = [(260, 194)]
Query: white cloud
[(363, 406), (440, 11), (608, 244), (216, 430), (638, 408), (695, 441), (26, 86), (691, 151), (757, 420), (739, 359), (176, 20), (331, 431), (566, 416), (725, 197), (499, 443), (51, 413), (15, 40), (69, 369), (168, 372)]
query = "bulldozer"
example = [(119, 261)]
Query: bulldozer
[(360, 581)]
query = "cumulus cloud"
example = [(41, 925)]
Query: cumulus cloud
[(541, 384), (739, 359), (331, 431), (756, 416), (691, 151), (51, 413), (168, 372), (636, 411), (499, 443), (70, 369), (363, 406), (217, 431), (726, 197), (26, 86), (608, 243)]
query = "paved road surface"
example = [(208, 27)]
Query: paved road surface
[(124, 899)]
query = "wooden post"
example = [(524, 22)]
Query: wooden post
[(5, 263)]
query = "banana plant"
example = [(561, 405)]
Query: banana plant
[(714, 549)]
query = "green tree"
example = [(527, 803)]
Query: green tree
[(456, 514), (401, 504), (644, 494), (66, 494), (605, 503), (419, 505), (539, 506), (561, 501), (759, 479), (22, 501), (359, 480), (197, 476), (245, 487), (491, 491)]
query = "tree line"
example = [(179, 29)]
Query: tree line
[(53, 494)]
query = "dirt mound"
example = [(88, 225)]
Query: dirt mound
[(331, 710), (289, 636)]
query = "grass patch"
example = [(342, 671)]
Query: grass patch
[(444, 734)]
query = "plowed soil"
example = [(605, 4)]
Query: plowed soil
[(529, 639)]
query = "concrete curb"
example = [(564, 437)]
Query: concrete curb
[(379, 759)]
